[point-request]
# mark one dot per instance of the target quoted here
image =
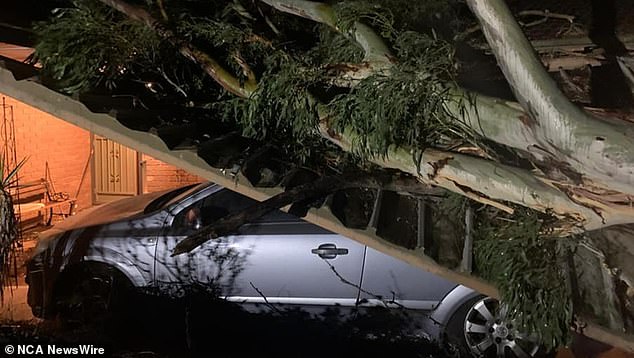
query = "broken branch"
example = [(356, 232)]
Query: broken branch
[(206, 62), (231, 223)]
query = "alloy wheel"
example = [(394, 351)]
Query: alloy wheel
[(489, 332)]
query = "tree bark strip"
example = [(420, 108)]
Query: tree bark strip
[(602, 151)]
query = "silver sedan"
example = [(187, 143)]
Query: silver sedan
[(278, 261)]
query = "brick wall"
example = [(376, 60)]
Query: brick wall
[(161, 176), (44, 138)]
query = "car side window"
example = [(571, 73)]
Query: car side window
[(206, 211)]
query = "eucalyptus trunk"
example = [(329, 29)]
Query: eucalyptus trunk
[(587, 164), (601, 151)]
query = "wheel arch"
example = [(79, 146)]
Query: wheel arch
[(446, 309), (72, 272), (106, 257)]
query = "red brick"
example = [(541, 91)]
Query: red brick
[(44, 138)]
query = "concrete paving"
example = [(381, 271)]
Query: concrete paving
[(14, 306)]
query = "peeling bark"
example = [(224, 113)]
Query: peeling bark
[(493, 184), (602, 151)]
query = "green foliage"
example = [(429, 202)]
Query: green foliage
[(402, 109), (517, 255), (379, 18), (334, 48), (209, 31), (406, 107), (390, 17), (89, 43), (528, 267), (8, 225), (225, 40), (280, 111)]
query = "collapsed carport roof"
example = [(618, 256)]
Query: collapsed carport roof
[(22, 82)]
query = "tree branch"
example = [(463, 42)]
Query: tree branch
[(545, 14), (378, 57), (600, 150), (206, 62), (493, 183), (231, 223), (246, 69), (266, 300)]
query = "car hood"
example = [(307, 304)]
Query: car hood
[(105, 213)]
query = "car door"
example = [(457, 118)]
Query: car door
[(393, 283), (277, 260)]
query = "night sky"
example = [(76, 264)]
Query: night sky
[(22, 13)]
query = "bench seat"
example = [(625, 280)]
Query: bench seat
[(36, 197)]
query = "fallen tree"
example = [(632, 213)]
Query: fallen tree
[(583, 157)]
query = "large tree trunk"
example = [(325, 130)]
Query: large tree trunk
[(602, 152), (492, 183), (577, 142), (583, 205)]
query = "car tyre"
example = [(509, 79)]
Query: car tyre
[(92, 295), (480, 328)]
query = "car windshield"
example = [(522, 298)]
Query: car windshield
[(170, 197)]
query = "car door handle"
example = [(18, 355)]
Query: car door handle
[(329, 251)]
